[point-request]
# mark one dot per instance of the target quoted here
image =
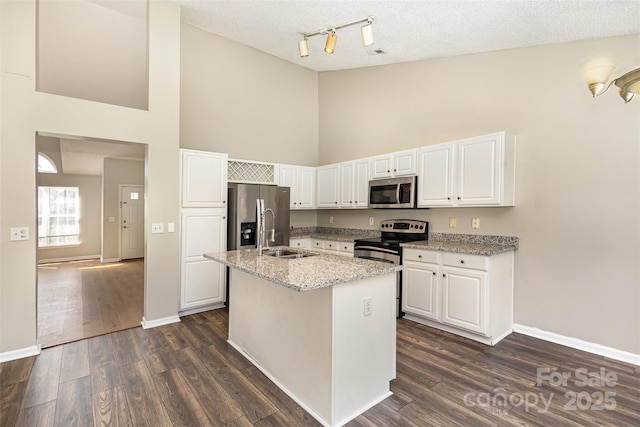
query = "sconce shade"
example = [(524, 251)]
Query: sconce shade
[(330, 46), (367, 34), (303, 47)]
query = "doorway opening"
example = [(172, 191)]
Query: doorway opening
[(90, 275)]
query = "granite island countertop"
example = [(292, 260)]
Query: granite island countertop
[(303, 274)]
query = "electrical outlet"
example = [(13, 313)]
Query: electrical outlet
[(370, 220), (330, 220), (368, 306), (157, 227), (475, 223), (19, 233), (453, 223)]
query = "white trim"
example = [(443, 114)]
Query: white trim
[(71, 258), (105, 260), (148, 324), (610, 352), (190, 311), (34, 350), (457, 331)]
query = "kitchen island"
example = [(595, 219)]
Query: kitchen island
[(321, 327)]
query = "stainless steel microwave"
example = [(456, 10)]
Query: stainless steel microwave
[(393, 193)]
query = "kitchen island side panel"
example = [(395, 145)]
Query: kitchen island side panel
[(288, 336)]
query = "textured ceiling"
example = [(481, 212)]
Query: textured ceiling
[(408, 30)]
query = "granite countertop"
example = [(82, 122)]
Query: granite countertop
[(461, 247), (338, 237), (303, 274)]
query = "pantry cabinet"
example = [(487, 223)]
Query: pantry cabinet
[(203, 179), (469, 295), (477, 171)]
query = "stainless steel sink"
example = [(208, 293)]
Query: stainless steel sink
[(287, 254)]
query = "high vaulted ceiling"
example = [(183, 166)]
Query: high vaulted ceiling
[(408, 30)]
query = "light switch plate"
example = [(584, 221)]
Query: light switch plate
[(171, 227)]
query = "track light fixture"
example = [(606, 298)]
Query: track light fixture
[(330, 46), (598, 72)]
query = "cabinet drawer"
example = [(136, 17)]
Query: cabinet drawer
[(477, 262), (318, 244), (420, 255), (331, 245), (345, 247)]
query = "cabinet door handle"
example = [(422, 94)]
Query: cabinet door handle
[(444, 275), (419, 256), (448, 198), (458, 197), (434, 273), (461, 261)]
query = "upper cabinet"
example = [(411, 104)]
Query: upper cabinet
[(301, 180), (328, 184), (400, 163), (476, 171), (354, 184), (204, 179)]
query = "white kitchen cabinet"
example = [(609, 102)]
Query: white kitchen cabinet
[(204, 179), (345, 248), (301, 180), (328, 184), (317, 244), (354, 184), (420, 284), (400, 163), (301, 242), (477, 171), (202, 281), (469, 295), (436, 175)]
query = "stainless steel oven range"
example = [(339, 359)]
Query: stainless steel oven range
[(386, 248)]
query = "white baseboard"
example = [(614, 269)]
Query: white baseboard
[(610, 352), (105, 260), (191, 311), (34, 350), (66, 259), (148, 324)]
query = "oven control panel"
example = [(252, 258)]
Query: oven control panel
[(404, 226)]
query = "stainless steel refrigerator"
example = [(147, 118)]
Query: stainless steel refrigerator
[(242, 221)]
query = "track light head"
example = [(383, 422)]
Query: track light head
[(330, 45), (367, 33), (303, 47)]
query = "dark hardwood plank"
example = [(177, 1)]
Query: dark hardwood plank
[(110, 408), (181, 403), (75, 361), (73, 406), (145, 406), (43, 381), (39, 415), (15, 371), (11, 397), (104, 370), (290, 413), (125, 347)]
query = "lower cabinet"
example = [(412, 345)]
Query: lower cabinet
[(470, 295), (334, 247), (202, 281)]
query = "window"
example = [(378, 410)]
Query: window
[(45, 164), (58, 216)]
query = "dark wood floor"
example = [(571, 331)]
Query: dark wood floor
[(187, 374), (83, 299)]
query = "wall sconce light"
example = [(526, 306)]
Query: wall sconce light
[(330, 46), (598, 72)]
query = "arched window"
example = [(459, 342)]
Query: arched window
[(45, 164)]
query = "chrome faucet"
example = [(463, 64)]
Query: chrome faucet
[(260, 233)]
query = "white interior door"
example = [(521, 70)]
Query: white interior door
[(132, 221)]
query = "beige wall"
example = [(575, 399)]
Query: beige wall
[(25, 111), (578, 186), (116, 172), (89, 187), (237, 100)]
